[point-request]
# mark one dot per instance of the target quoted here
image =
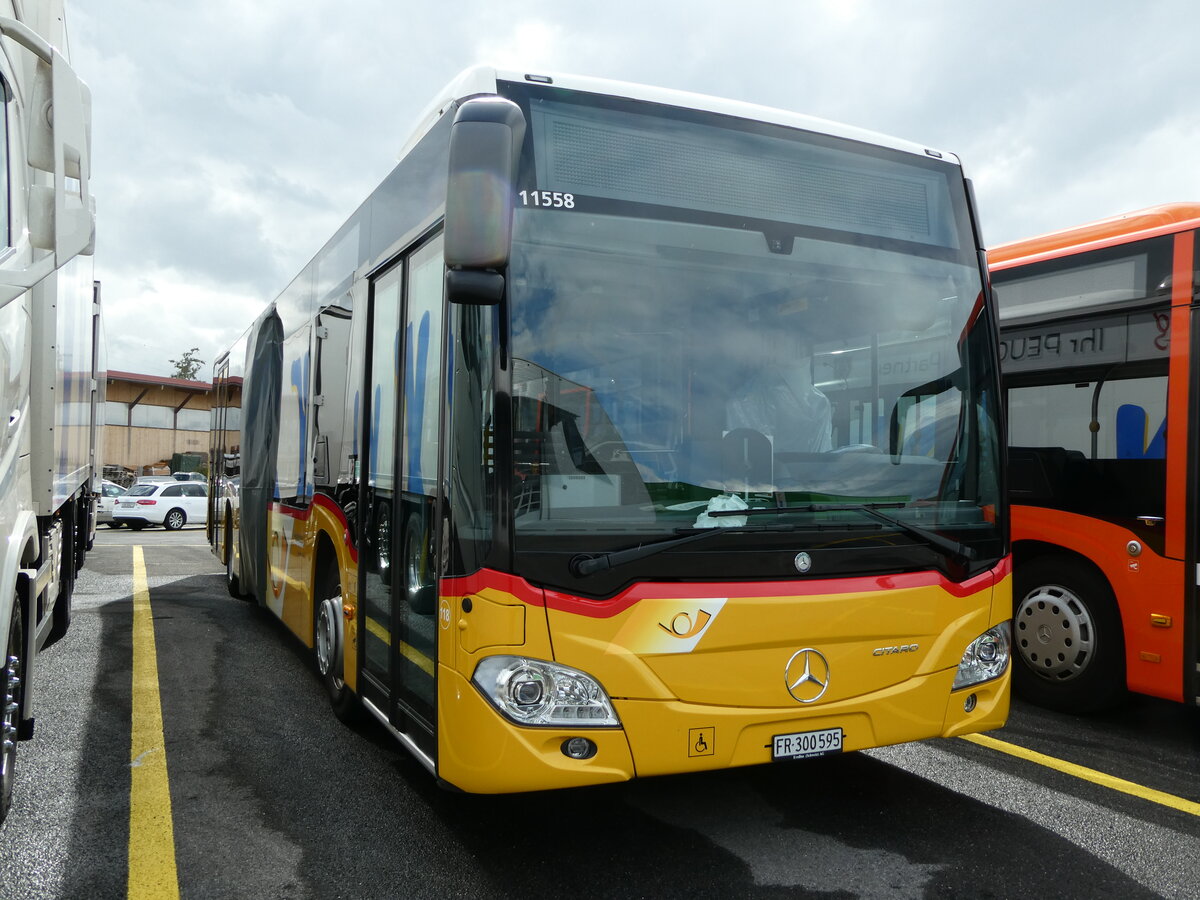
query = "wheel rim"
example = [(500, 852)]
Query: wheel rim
[(175, 520), (12, 687), (327, 643), (414, 565), (1055, 634), (383, 539), (324, 641)]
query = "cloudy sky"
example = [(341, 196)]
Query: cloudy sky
[(232, 137)]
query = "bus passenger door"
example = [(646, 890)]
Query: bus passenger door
[(217, 536), (399, 578)]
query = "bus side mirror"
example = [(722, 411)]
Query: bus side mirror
[(485, 151), (906, 402), (900, 409)]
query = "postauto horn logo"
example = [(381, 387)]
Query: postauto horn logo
[(807, 675)]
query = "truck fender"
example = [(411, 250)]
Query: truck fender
[(17, 579)]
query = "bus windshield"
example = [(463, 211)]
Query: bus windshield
[(804, 337)]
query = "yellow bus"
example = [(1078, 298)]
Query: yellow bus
[(623, 431)]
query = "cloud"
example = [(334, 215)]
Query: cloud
[(162, 314), (232, 139)]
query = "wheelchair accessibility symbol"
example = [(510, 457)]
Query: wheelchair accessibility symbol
[(702, 741)]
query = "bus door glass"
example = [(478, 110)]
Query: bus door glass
[(379, 489), (400, 589), (216, 455), (415, 596)]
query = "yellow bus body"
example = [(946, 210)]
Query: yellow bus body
[(718, 703)]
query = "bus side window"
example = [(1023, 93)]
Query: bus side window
[(1119, 469)]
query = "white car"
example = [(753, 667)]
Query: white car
[(171, 504), (106, 502)]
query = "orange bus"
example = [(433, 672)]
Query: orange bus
[(1098, 336)]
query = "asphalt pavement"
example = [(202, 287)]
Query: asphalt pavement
[(271, 796)]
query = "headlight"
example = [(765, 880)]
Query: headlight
[(533, 692), (986, 658)]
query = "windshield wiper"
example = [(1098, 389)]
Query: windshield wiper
[(808, 507), (583, 565), (963, 552)]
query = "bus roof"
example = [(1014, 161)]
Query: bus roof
[(1132, 226), (482, 80)]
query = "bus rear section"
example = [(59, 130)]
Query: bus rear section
[(639, 433), (1097, 326)]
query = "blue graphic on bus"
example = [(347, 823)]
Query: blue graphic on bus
[(1132, 426), (300, 386), (415, 400), (373, 444)]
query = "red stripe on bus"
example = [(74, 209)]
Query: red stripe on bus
[(604, 609), (304, 513)]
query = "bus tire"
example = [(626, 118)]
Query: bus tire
[(418, 576), (233, 583), (1070, 648), (11, 694), (329, 647), (383, 541)]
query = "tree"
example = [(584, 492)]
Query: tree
[(187, 366)]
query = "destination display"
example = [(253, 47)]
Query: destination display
[(1105, 341)]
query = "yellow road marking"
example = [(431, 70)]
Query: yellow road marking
[(375, 627), (412, 654), (1092, 775), (417, 658), (152, 872)]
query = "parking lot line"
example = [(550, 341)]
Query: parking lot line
[(1096, 777), (152, 870)]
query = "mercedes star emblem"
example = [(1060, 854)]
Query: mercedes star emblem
[(807, 675)]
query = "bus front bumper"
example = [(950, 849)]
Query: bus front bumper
[(480, 751)]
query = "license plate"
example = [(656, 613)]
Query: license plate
[(803, 744)]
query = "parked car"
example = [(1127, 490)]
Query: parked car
[(106, 502), (171, 504), (153, 479)]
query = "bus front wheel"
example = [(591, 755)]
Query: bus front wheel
[(329, 647), (1067, 633)]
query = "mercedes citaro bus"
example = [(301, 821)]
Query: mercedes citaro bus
[(623, 431)]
